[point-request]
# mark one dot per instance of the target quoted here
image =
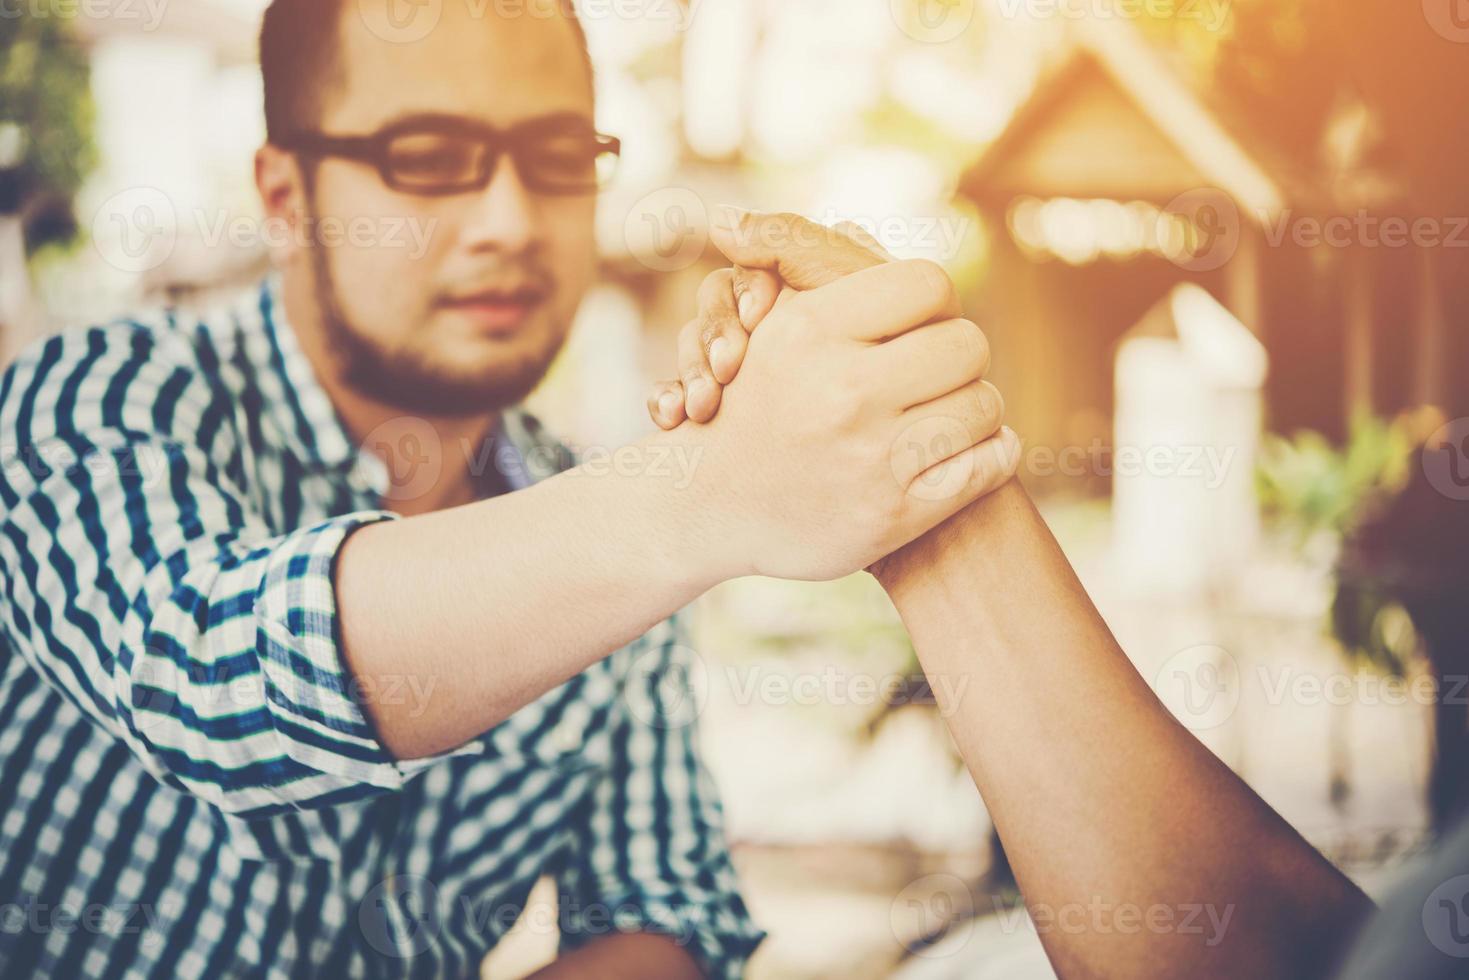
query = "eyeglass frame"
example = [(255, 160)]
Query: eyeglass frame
[(373, 149)]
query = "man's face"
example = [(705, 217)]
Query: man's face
[(450, 305)]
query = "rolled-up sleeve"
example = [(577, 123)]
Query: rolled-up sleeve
[(653, 855), (145, 585)]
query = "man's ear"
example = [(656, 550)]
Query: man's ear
[(282, 186)]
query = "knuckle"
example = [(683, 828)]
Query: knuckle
[(715, 285), (845, 408), (976, 347), (991, 406), (931, 278), (709, 331)]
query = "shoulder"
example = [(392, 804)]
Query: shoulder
[(136, 375)]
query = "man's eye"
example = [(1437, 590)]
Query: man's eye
[(422, 159), (570, 157)]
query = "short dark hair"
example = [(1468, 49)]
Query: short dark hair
[(300, 60)]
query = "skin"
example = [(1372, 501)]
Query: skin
[(489, 604), (1127, 809)]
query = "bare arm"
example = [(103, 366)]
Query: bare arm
[(633, 956), (1102, 799), (487, 606), (1113, 815)]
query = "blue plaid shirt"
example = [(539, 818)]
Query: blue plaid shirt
[(188, 784)]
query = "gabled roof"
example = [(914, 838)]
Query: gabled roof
[(1112, 119)]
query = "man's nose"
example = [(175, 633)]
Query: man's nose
[(503, 217)]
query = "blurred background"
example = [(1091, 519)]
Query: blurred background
[(1219, 247)]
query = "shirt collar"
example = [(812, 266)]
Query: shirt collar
[(306, 421)]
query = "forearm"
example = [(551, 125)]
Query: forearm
[(631, 956), (488, 606), (1102, 798)]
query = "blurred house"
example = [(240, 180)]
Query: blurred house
[(1118, 179)]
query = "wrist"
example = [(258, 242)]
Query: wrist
[(683, 510), (973, 541)]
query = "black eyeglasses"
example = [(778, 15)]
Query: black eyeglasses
[(438, 156)]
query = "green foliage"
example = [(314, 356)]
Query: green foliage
[(46, 116), (1311, 486)]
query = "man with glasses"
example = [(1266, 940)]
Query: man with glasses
[(308, 669)]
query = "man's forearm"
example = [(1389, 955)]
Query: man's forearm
[(1102, 799), (629, 956), (490, 605)]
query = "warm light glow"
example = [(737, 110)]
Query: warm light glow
[(1080, 232)]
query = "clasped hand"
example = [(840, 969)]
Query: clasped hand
[(853, 420)]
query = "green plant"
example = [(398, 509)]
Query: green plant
[(46, 116), (1311, 486), (1315, 489)]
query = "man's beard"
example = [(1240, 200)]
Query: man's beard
[(406, 379)]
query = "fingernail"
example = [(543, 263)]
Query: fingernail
[(668, 405), (700, 389), (746, 304), (719, 354)]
